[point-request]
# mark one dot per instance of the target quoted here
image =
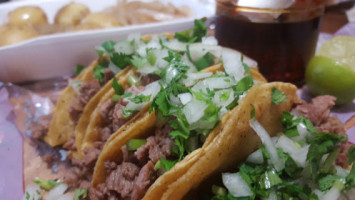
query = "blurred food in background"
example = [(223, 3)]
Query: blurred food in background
[(31, 21)]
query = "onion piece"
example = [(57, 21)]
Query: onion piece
[(114, 68), (299, 155), (193, 77), (256, 157), (197, 50), (150, 89), (236, 185), (266, 140), (33, 190), (185, 97), (209, 40), (213, 83), (124, 47), (176, 45), (232, 63), (194, 110), (56, 192), (219, 101), (334, 192), (303, 132)]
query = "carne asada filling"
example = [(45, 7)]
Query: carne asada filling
[(132, 178)]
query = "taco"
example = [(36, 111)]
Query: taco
[(187, 132), (114, 58), (310, 159), (156, 61)]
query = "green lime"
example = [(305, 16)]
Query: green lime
[(327, 76)]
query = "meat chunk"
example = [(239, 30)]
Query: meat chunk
[(149, 78), (132, 178), (86, 91), (108, 75), (318, 111)]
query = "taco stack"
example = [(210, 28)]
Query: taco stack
[(187, 132)]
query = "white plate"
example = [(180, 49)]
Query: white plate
[(54, 55)]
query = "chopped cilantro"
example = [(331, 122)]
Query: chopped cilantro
[(246, 67), (80, 194), (205, 61), (46, 184), (277, 96), (252, 113), (127, 112), (140, 99), (138, 62), (109, 46), (167, 164), (224, 96), (243, 85), (326, 182), (152, 58), (117, 87), (79, 69), (134, 144), (99, 73), (193, 35), (350, 179), (121, 60)]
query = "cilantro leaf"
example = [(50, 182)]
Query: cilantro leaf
[(246, 67), (80, 194), (224, 96), (46, 184), (140, 99), (350, 179), (243, 85), (326, 182), (277, 96), (252, 113), (152, 58), (167, 164), (138, 62), (193, 35), (99, 73), (109, 46), (117, 87), (205, 61), (79, 69), (121, 60), (127, 112)]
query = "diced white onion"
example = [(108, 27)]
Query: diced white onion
[(232, 63), (147, 69), (236, 185), (136, 37), (194, 110), (171, 72), (75, 84), (302, 130), (197, 50), (299, 155), (193, 77), (266, 140), (176, 45), (32, 190), (174, 100), (250, 62), (256, 157), (150, 89), (333, 193), (213, 83), (219, 102), (209, 40), (124, 46), (56, 192), (185, 97), (272, 196), (160, 54), (341, 171), (114, 68)]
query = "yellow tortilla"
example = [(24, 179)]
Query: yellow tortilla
[(62, 127)]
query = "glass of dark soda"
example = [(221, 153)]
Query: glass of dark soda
[(282, 38)]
